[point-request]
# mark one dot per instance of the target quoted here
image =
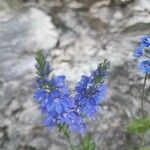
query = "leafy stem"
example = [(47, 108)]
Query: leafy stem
[(142, 108), (71, 146), (88, 143), (65, 130)]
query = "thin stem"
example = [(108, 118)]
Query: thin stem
[(142, 140), (142, 95), (71, 146), (68, 137), (142, 109)]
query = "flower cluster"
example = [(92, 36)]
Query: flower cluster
[(142, 53), (58, 106), (91, 90)]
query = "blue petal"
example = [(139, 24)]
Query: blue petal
[(58, 107), (53, 114), (49, 122), (145, 41), (138, 52), (54, 94), (85, 79), (145, 66), (58, 81), (40, 95)]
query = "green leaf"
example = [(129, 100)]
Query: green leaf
[(88, 143), (40, 59), (92, 145), (139, 125), (60, 127), (103, 68), (42, 66)]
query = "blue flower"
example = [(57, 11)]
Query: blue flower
[(138, 52), (59, 103), (101, 93), (145, 66), (82, 85), (59, 82), (40, 94), (56, 104), (90, 91), (145, 41), (61, 110), (90, 100), (58, 107), (50, 122), (74, 121), (143, 51)]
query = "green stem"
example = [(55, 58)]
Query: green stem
[(71, 146), (68, 137), (142, 95), (142, 109), (83, 145), (142, 140)]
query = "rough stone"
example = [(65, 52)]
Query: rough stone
[(39, 143), (29, 30), (101, 10), (56, 147), (122, 2)]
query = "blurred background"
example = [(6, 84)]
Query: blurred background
[(78, 34)]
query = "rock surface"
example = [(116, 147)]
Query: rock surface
[(24, 33), (79, 35), (24, 29)]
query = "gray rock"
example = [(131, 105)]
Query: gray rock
[(24, 33), (131, 18), (75, 5), (101, 12), (30, 115), (122, 2), (56, 147), (39, 143), (28, 30), (140, 16), (19, 67), (13, 107)]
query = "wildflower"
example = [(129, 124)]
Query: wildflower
[(145, 66), (145, 41), (91, 90), (74, 121), (59, 82), (52, 94), (138, 52), (40, 94), (56, 104), (143, 51)]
